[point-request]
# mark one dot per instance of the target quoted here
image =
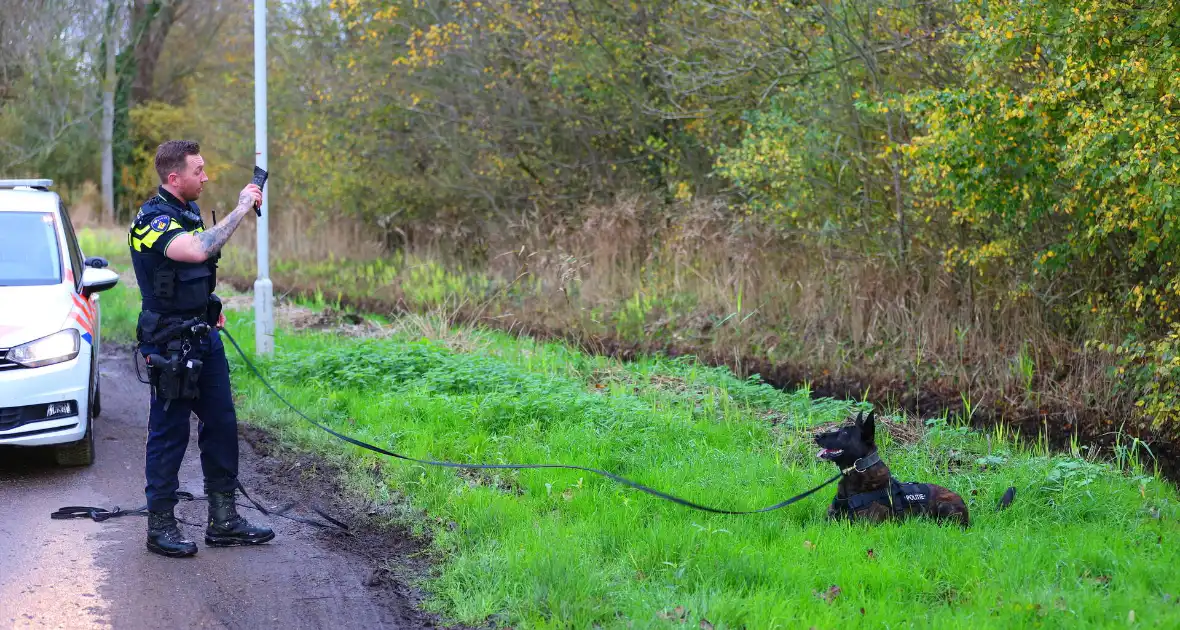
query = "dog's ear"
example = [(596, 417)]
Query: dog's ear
[(869, 428), (860, 418)]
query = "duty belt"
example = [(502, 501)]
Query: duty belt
[(176, 327)]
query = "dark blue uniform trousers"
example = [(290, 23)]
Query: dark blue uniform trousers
[(217, 430)]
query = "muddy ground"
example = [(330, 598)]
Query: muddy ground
[(83, 574)]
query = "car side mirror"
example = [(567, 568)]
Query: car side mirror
[(97, 280), (97, 262)]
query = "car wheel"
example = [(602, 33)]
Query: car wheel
[(80, 453)]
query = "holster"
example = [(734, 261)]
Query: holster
[(174, 377), (172, 374)]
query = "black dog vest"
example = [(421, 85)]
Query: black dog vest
[(902, 497)]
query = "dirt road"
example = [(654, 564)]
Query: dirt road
[(82, 574)]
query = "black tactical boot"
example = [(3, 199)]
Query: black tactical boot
[(164, 536), (227, 529)]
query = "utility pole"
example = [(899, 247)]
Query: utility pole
[(108, 114), (264, 323)]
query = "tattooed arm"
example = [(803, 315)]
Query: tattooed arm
[(195, 248)]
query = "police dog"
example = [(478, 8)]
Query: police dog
[(868, 491)]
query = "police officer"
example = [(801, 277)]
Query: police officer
[(175, 260)]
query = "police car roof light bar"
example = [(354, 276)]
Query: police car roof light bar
[(39, 184)]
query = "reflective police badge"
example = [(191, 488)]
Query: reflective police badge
[(160, 223)]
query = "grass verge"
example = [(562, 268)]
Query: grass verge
[(1085, 543), (560, 549)]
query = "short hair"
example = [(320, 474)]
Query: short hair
[(173, 156)]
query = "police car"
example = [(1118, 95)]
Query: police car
[(49, 325)]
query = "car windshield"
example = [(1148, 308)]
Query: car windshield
[(28, 249)]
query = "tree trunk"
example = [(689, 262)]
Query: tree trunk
[(151, 20)]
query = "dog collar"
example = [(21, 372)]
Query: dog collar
[(864, 463)]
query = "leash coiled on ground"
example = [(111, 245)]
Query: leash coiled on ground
[(623, 480), (99, 515)]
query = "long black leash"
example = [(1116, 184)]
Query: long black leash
[(622, 480), (99, 515)]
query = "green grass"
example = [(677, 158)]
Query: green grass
[(119, 306), (1081, 545), (1084, 545)]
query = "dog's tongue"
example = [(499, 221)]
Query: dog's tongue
[(822, 452)]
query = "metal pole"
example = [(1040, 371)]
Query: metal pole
[(108, 117), (264, 324)]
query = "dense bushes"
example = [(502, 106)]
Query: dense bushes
[(1031, 149)]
